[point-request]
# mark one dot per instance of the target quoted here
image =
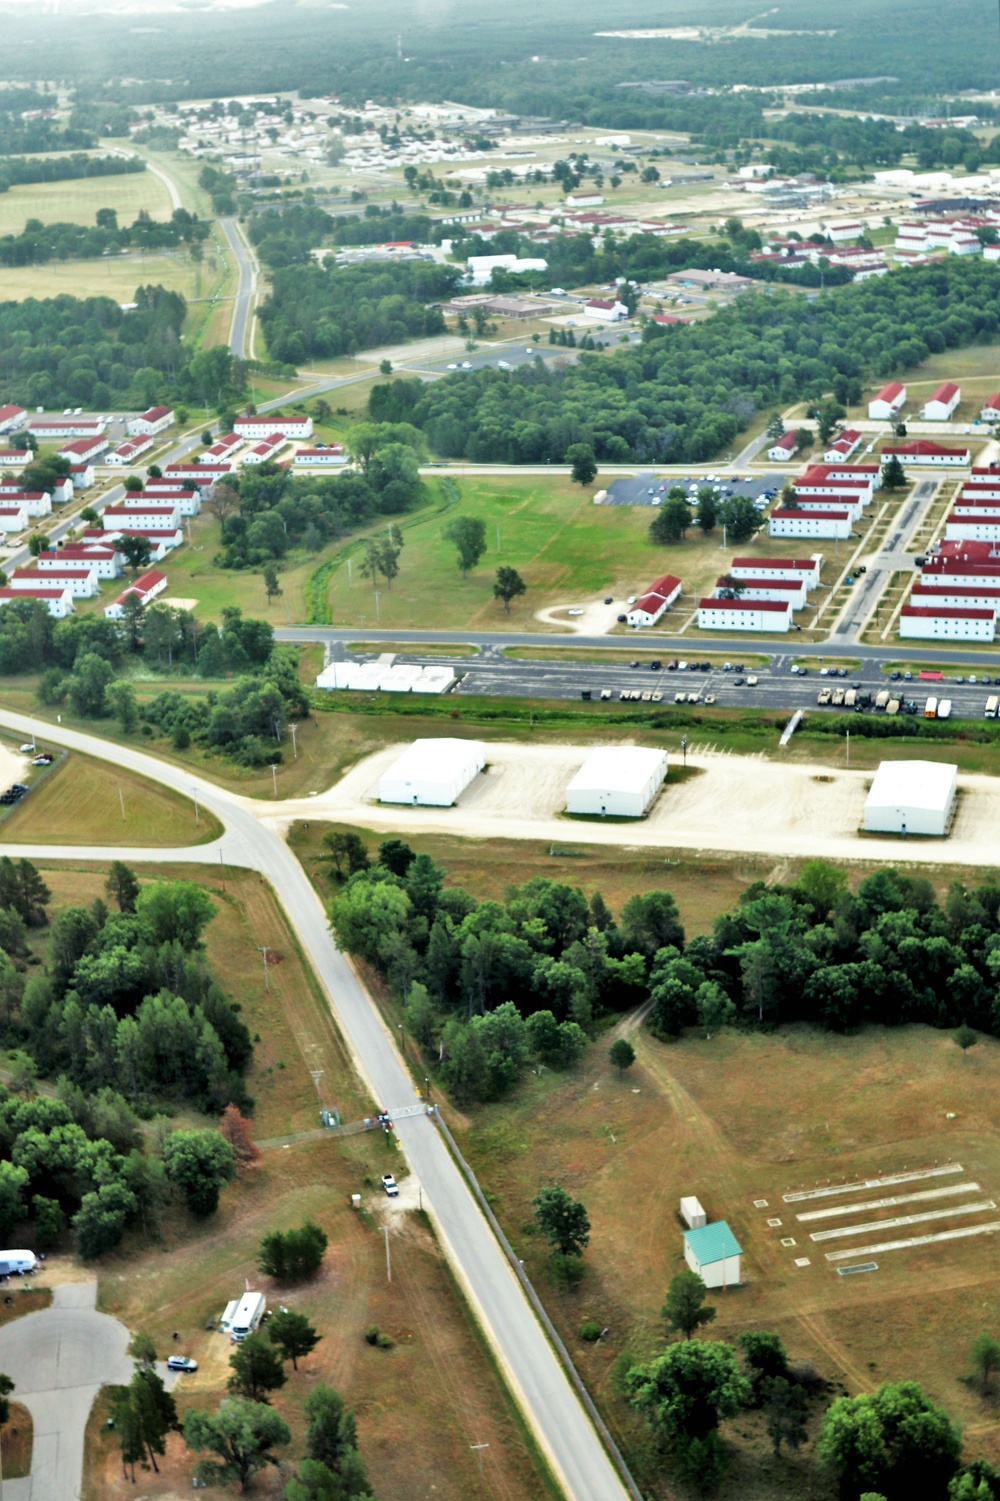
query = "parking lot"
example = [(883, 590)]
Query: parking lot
[(651, 489)]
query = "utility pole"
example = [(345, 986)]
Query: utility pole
[(274, 778), (848, 747), (317, 1074), (194, 794), (267, 979), (122, 801), (388, 1259), (295, 745)]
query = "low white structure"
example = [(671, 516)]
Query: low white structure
[(797, 522), (923, 452), (778, 568), (744, 615), (782, 448), (250, 429), (149, 423), (618, 780), (432, 773), (942, 404), (991, 411), (605, 311), (82, 583), (654, 601), (942, 623), (145, 589), (334, 456), (911, 797), (57, 600), (692, 1213), (713, 1254), (890, 400), (129, 452), (382, 677)]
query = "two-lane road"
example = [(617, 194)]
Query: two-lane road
[(538, 1381), (246, 268)]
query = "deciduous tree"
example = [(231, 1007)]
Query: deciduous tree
[(468, 534), (293, 1334), (257, 1369), (562, 1219), (242, 1434), (685, 1310)]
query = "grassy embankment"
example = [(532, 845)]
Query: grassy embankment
[(87, 801)]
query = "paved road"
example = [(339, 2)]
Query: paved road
[(528, 1361), (243, 305), (59, 1359)]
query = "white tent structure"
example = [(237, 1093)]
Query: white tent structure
[(911, 797), (432, 773), (620, 780)]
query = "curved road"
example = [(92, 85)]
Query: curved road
[(533, 1372)]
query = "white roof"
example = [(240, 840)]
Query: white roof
[(913, 784), (438, 760), (619, 768)]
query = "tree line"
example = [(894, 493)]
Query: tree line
[(17, 171), (38, 242), (687, 392)]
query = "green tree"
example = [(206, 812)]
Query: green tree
[(241, 1434), (803, 437), (966, 1037), (272, 588), (293, 1334), (13, 1182), (684, 1392), (468, 534), (99, 1223), (332, 1448), (893, 474), (122, 703), (293, 1255), (508, 586), (650, 922), (893, 1440), (199, 1163), (562, 1219), (175, 912), (346, 851), (622, 1054), (257, 1369), (136, 551), (88, 687), (822, 883), (775, 428), (6, 1387), (40, 542), (670, 522), (741, 518), (985, 1356), (583, 465), (50, 1222), (155, 1412), (684, 1310), (765, 1358), (128, 1431), (122, 885), (707, 513), (827, 418)]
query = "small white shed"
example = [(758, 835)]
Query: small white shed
[(432, 773), (713, 1253), (692, 1213), (620, 780), (911, 797)]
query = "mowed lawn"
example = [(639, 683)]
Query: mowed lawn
[(82, 802), (416, 1404), (77, 201), (110, 276), (735, 1119)]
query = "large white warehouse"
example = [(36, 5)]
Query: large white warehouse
[(432, 773), (620, 780), (911, 797)]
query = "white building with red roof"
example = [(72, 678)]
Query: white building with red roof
[(605, 310), (149, 423), (990, 412), (198, 474), (888, 403), (188, 502), (782, 448), (922, 452), (145, 588), (13, 516), (940, 406), (330, 456), (791, 590), (81, 583), (266, 449), (843, 446), (658, 597), (223, 448), (142, 515), (130, 451), (250, 429), (776, 568), (80, 556), (946, 623), (84, 450), (48, 429), (11, 418), (744, 615), (58, 600), (957, 596), (978, 525), (834, 525)]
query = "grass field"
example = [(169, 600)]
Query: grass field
[(417, 1403), (734, 1119), (112, 276), (16, 1437), (77, 201), (79, 803)]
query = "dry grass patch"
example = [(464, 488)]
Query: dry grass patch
[(15, 1302), (16, 1438), (79, 803)]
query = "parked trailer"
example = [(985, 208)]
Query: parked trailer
[(992, 705), (850, 698), (18, 1263), (892, 707), (882, 699), (931, 709), (248, 1315)]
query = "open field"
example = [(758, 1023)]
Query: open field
[(16, 1437), (732, 1120), (111, 276), (417, 1403), (77, 201), (79, 802)]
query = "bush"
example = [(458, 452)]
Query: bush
[(590, 1332)]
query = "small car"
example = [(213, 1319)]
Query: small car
[(710, 698), (181, 1363), (574, 612), (466, 365), (633, 664), (390, 1185), (894, 676), (738, 682), (622, 619), (27, 749), (609, 601)]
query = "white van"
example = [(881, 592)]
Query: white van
[(992, 704), (944, 709), (247, 1316), (18, 1263)]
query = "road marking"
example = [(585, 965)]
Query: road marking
[(916, 1240), (903, 1219)]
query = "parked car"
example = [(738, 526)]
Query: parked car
[(390, 1186), (181, 1363)]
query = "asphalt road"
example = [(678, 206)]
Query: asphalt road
[(59, 1358), (243, 305), (525, 1356)]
